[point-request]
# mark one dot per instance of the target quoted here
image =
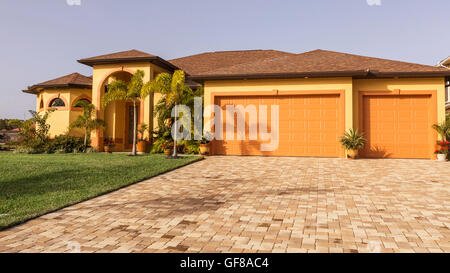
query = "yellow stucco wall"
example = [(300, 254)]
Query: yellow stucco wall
[(60, 119)]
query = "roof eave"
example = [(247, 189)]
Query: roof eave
[(280, 75), (34, 89), (356, 74), (153, 59)]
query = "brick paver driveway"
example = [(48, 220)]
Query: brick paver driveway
[(250, 204)]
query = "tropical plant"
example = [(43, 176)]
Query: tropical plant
[(353, 140), (133, 91), (142, 129), (174, 92), (191, 146), (86, 121), (443, 128)]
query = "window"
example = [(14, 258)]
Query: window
[(81, 101), (41, 104), (57, 103)]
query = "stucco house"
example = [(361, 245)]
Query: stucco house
[(320, 95)]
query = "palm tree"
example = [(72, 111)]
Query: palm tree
[(86, 121), (174, 92), (134, 91)]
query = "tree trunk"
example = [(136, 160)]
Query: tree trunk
[(85, 139), (133, 151), (174, 154)]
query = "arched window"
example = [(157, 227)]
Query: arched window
[(79, 102), (57, 103)]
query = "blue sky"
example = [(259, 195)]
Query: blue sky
[(43, 39)]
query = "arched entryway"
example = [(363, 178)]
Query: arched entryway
[(118, 115)]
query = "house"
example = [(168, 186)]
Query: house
[(446, 63), (9, 135), (320, 94)]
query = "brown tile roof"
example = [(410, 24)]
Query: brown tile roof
[(317, 63), (128, 56), (71, 80), (206, 62)]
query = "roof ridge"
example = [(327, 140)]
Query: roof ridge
[(364, 56), (231, 51)]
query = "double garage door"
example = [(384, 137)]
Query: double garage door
[(396, 126)]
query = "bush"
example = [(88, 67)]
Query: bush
[(65, 144), (191, 146), (157, 145)]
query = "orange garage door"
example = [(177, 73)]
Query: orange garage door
[(309, 125), (398, 126)]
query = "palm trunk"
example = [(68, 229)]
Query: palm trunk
[(85, 139), (174, 154), (133, 152)]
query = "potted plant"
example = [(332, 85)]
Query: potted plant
[(442, 152), (142, 143), (108, 145), (168, 148), (205, 148), (352, 141)]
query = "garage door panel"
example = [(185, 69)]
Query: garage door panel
[(306, 123), (397, 126)]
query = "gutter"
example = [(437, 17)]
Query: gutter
[(359, 74)]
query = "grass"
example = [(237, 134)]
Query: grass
[(32, 185)]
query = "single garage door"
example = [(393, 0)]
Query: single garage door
[(309, 125), (398, 126)]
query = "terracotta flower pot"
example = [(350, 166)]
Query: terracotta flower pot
[(205, 149), (352, 154), (142, 147), (107, 149), (168, 152)]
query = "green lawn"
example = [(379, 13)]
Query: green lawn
[(32, 185)]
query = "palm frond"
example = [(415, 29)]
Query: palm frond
[(353, 140), (161, 83), (114, 95), (135, 85), (146, 89)]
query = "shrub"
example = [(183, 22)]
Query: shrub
[(191, 146), (65, 144)]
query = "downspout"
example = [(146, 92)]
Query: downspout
[(447, 93)]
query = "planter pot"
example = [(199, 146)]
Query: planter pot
[(205, 149), (352, 154), (107, 149), (168, 152), (142, 147), (441, 157)]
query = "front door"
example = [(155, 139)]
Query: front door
[(129, 126)]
